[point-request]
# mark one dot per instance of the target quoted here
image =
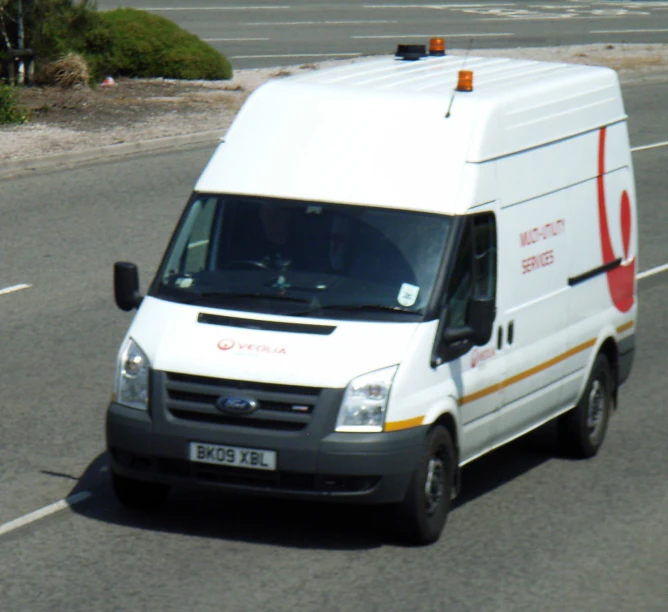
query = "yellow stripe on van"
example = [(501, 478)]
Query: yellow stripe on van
[(530, 372), (623, 328), (407, 424), (467, 399)]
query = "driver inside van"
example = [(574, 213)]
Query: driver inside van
[(311, 239), (267, 235), (275, 222)]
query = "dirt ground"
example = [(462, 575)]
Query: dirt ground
[(65, 120), (129, 101), (144, 109)]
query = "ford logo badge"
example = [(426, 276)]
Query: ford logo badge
[(237, 406)]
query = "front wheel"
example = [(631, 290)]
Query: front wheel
[(582, 430), (423, 513)]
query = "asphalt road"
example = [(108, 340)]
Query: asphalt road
[(254, 33), (531, 532)]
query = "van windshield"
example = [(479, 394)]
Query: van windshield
[(303, 258)]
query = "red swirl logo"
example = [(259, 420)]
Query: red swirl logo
[(480, 355), (621, 280), (226, 344)]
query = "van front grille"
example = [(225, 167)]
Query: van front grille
[(279, 407)]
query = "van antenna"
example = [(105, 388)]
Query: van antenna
[(452, 98)]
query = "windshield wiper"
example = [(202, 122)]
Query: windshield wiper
[(359, 308), (220, 296)]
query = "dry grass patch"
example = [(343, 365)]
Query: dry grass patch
[(68, 72)]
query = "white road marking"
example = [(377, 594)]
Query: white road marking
[(233, 39), (220, 8), (656, 145), (542, 17), (477, 35), (648, 31), (652, 271), (437, 6), (295, 55), (663, 268), (44, 512), (649, 4), (299, 23), (14, 288)]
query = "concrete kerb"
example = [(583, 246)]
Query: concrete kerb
[(9, 168)]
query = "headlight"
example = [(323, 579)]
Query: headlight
[(365, 402), (132, 377)]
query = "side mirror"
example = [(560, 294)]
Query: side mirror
[(126, 285), (481, 314)]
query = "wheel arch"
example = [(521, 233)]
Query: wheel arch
[(610, 349), (605, 344), (447, 420)]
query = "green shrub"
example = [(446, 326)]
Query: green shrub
[(58, 27), (123, 42), (147, 45), (11, 110)]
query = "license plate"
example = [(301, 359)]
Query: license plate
[(235, 456)]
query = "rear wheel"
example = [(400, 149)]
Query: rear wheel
[(138, 494), (423, 513), (582, 430)]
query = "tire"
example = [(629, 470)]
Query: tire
[(137, 494), (422, 515), (582, 429)]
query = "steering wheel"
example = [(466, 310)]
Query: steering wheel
[(245, 264)]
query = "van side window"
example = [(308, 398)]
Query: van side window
[(484, 256), (474, 272), (460, 292)]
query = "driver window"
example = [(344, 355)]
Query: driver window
[(474, 271), (459, 293), (484, 256)]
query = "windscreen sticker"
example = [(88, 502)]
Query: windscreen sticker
[(408, 294), (184, 282)]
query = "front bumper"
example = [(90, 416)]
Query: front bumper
[(313, 463)]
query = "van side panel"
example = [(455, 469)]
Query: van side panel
[(606, 231), (560, 223), (542, 193), (533, 300)]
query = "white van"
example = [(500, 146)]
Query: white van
[(386, 270)]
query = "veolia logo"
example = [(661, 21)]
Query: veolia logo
[(621, 280), (248, 348)]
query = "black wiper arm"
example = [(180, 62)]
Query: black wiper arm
[(360, 307), (218, 296), (267, 296)]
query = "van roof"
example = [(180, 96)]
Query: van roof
[(438, 75), (324, 134)]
